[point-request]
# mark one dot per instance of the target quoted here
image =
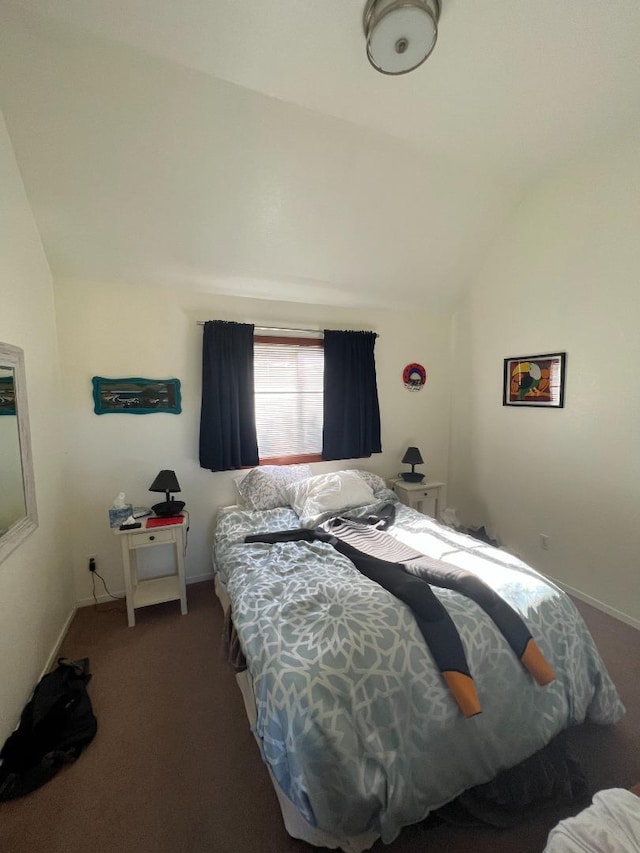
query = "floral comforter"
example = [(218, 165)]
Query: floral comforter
[(353, 717)]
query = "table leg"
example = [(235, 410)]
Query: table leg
[(128, 586)]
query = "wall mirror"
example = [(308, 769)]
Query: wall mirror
[(18, 515)]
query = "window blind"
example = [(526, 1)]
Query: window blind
[(288, 376)]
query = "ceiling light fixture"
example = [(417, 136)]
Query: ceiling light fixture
[(400, 33)]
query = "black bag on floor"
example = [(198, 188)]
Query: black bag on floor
[(55, 726)]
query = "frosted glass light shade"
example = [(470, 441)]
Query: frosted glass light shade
[(401, 34)]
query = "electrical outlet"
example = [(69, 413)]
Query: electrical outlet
[(544, 541), (91, 562)]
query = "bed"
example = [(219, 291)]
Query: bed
[(354, 722), (611, 824)]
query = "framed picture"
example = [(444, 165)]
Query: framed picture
[(535, 380), (7, 393), (135, 396)]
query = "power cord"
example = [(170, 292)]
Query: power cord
[(94, 572), (186, 532)]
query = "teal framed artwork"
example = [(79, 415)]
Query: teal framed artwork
[(136, 396)]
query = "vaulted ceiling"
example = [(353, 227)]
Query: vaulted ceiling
[(249, 147)]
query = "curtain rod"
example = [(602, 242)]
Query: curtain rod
[(278, 329), (317, 332)]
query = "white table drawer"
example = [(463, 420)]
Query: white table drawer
[(425, 493), (151, 537)]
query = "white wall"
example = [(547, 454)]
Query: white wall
[(563, 277), (152, 332), (36, 588)]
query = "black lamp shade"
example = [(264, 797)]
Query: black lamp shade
[(166, 482), (412, 457)]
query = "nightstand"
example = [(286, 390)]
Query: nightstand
[(426, 497), (172, 587)]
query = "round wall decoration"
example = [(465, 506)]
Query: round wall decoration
[(414, 377)]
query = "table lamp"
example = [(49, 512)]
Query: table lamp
[(412, 457), (166, 482)]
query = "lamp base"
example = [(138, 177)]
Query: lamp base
[(168, 508), (412, 477)]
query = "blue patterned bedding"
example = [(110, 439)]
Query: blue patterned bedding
[(353, 717)]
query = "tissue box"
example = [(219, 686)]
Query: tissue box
[(118, 516)]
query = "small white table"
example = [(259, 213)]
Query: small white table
[(426, 497), (146, 591)]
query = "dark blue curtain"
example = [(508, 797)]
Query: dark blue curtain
[(351, 427), (227, 417)]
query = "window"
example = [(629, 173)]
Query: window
[(314, 399), (288, 376)]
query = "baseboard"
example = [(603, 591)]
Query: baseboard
[(599, 605), (56, 648), (205, 576), (104, 597)]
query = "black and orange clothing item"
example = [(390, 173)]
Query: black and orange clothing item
[(408, 575)]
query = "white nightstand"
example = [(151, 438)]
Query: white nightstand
[(173, 587), (426, 497)]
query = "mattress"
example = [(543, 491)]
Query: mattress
[(353, 719)]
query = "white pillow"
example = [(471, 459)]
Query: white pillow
[(374, 480), (264, 487), (328, 494)]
